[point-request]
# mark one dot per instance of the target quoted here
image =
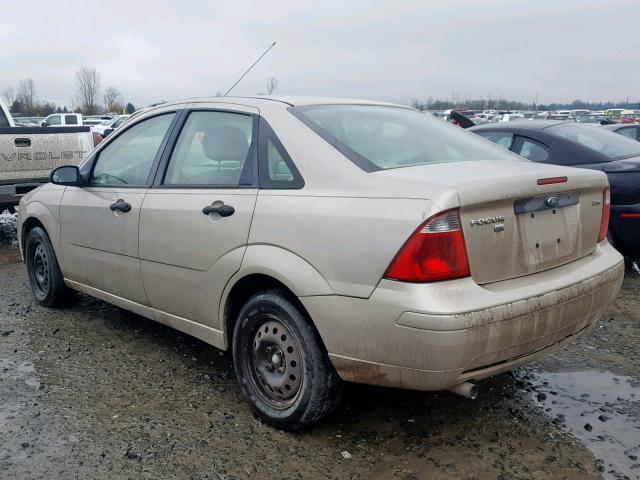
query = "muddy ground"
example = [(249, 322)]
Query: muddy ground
[(92, 391)]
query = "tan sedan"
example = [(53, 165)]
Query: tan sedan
[(325, 240)]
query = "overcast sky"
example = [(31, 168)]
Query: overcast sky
[(388, 50)]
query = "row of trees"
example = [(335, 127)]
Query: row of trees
[(89, 99), (503, 104)]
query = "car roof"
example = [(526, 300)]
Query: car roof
[(265, 101), (527, 124)]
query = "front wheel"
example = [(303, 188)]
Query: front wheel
[(282, 367), (45, 277)]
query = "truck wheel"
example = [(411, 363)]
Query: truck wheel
[(45, 276), (282, 366)]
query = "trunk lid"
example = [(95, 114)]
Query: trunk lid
[(515, 227), (512, 225)]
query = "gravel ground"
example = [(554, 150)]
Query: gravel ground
[(93, 391)]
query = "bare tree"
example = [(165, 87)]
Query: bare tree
[(272, 84), (113, 100), (26, 94), (8, 96), (87, 89)]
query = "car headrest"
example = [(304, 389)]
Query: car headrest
[(222, 142)]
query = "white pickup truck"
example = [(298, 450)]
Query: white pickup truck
[(28, 154)]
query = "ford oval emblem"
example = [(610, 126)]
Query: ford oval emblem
[(552, 201)]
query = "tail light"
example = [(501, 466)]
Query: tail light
[(606, 209), (435, 251), (97, 138)]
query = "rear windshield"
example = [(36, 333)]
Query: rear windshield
[(599, 140), (380, 138)]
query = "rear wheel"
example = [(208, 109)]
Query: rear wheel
[(45, 277), (282, 366)]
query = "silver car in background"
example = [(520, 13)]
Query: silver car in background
[(324, 240)]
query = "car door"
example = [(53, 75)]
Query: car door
[(99, 222), (194, 222)]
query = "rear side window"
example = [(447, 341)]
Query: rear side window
[(213, 149), (504, 139), (276, 168), (533, 151), (380, 137), (128, 159), (70, 120)]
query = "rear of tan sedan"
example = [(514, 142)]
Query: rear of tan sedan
[(521, 267)]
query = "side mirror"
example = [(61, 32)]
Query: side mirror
[(65, 175), (44, 124)]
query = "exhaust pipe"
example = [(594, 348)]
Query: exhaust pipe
[(466, 389)]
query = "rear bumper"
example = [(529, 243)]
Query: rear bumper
[(11, 193), (625, 227), (435, 336)]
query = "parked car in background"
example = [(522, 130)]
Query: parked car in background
[(630, 116), (62, 120), (111, 124), (630, 131), (586, 146), (510, 117), (226, 218), (27, 155)]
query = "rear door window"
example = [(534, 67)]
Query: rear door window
[(532, 150), (504, 139), (214, 149), (70, 120)]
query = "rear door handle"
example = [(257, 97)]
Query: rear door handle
[(22, 142), (121, 206), (222, 210)]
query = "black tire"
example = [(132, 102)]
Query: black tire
[(45, 277), (307, 388)]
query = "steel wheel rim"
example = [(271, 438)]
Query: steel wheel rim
[(275, 363), (40, 268)]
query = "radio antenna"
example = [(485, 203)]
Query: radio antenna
[(249, 69)]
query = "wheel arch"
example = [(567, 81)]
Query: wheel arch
[(267, 267)]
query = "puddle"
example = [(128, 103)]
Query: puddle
[(601, 409)]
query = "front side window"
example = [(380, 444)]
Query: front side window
[(504, 139), (533, 151), (213, 149), (54, 120), (598, 140), (380, 137), (70, 120), (128, 159)]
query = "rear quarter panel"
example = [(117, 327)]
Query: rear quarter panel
[(349, 241)]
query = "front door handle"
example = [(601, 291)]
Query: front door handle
[(22, 142), (121, 206), (222, 210)]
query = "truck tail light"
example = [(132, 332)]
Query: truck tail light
[(606, 211), (435, 251), (97, 138)]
